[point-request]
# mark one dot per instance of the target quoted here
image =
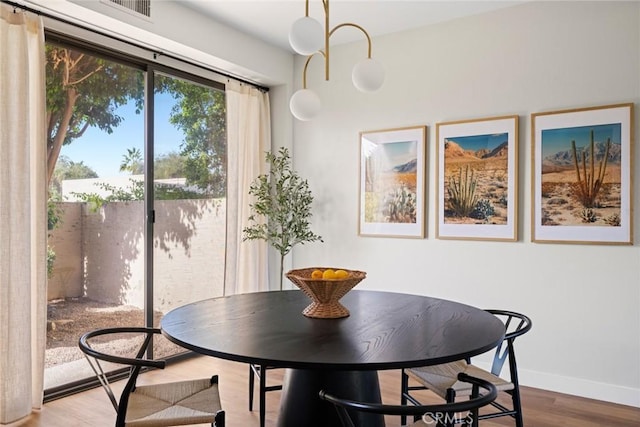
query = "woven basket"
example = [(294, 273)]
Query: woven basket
[(325, 293)]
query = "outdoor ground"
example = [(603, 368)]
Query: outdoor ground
[(68, 319), (560, 206), (492, 185)]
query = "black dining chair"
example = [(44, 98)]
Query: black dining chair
[(260, 372), (440, 415), (441, 378), (167, 404)]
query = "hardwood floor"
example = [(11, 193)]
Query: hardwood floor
[(541, 408)]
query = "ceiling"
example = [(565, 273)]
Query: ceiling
[(270, 20)]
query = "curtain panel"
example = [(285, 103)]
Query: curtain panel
[(22, 213), (248, 138)]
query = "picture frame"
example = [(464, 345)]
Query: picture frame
[(392, 182), (477, 179), (582, 175)]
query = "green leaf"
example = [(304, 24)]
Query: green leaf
[(281, 207)]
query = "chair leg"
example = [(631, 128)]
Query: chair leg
[(219, 420), (475, 412), (251, 385), (260, 372), (517, 406), (404, 388), (263, 393)]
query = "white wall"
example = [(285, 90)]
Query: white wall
[(177, 30), (584, 299)]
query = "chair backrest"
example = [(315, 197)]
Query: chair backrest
[(438, 415), (91, 341), (516, 324)]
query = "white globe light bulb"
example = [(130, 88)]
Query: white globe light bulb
[(368, 75), (306, 36), (305, 104)]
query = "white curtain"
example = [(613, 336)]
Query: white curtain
[(248, 138), (23, 299)]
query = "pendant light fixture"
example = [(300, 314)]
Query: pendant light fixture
[(307, 37)]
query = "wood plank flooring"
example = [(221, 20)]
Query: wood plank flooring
[(541, 408)]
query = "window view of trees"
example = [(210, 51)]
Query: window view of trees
[(96, 164), (83, 91), (201, 114), (68, 169)]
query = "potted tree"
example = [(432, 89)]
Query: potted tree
[(282, 208)]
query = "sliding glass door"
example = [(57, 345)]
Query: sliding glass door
[(189, 195), (137, 179), (95, 141)]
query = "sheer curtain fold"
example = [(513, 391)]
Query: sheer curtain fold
[(22, 213), (248, 138)]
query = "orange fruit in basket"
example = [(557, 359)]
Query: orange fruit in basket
[(341, 274), (329, 274), (316, 274)]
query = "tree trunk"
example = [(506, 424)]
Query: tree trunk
[(53, 150), (281, 270)]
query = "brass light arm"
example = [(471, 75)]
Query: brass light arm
[(349, 24), (325, 4), (306, 65), (305, 38), (330, 33), (327, 35)]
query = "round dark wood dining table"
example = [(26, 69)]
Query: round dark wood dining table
[(385, 330)]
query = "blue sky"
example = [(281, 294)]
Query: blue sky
[(104, 152), (398, 153), (555, 140), (477, 142)]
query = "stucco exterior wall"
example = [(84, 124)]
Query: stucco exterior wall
[(65, 280), (100, 254)]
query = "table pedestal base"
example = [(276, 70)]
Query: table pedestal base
[(301, 406)]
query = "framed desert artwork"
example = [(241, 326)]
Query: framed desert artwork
[(477, 179), (581, 182), (392, 182)]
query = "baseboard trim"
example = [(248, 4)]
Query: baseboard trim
[(613, 393)]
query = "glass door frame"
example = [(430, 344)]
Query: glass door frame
[(150, 69)]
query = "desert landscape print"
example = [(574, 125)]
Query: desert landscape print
[(390, 177), (580, 181), (476, 179)]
